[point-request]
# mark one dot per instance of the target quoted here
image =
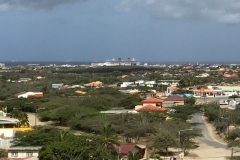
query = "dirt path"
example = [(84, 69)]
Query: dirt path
[(207, 152), (33, 120)]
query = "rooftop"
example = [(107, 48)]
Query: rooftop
[(152, 100), (23, 148), (174, 98)]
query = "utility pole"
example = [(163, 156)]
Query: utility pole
[(179, 136), (232, 154), (227, 125)]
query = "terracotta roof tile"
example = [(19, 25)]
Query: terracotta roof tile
[(152, 100), (124, 148), (174, 98)]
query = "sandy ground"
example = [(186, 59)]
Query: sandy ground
[(33, 120)]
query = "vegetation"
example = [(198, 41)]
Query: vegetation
[(99, 132)]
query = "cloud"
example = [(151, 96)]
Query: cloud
[(6, 5), (224, 11)]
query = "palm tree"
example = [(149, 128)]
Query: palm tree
[(44, 89), (62, 135), (107, 135), (133, 156)]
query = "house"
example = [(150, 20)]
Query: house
[(56, 86), (173, 100), (210, 91), (9, 126), (62, 87), (80, 92), (124, 84), (230, 90), (119, 112), (151, 104), (29, 94), (39, 77), (204, 75), (21, 152), (24, 79), (169, 82), (170, 90), (227, 75), (124, 150), (95, 84), (139, 82), (150, 83)]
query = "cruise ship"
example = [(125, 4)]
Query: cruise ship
[(119, 62)]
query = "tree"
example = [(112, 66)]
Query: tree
[(190, 101), (39, 136), (133, 156), (76, 148), (163, 140), (45, 90), (184, 112), (22, 118), (186, 139), (62, 134)]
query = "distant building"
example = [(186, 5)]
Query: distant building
[(230, 90), (170, 90), (169, 82), (210, 91), (119, 62), (24, 79), (29, 94), (56, 86), (94, 84), (2, 65), (9, 126), (151, 104), (173, 100)]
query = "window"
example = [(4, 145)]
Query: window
[(14, 154), (29, 154)]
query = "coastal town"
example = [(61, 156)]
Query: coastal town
[(175, 111)]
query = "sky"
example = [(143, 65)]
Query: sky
[(97, 30)]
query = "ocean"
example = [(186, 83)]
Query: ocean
[(16, 63)]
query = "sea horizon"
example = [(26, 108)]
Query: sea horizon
[(16, 63)]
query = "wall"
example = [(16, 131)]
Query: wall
[(153, 104), (8, 133)]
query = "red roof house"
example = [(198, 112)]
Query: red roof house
[(152, 104), (126, 148), (152, 100), (174, 100)]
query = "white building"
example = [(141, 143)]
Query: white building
[(210, 91), (169, 82), (20, 152), (150, 83), (230, 90), (29, 94)]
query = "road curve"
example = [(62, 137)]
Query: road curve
[(197, 121)]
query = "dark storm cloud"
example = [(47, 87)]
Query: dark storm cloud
[(224, 11), (6, 5)]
